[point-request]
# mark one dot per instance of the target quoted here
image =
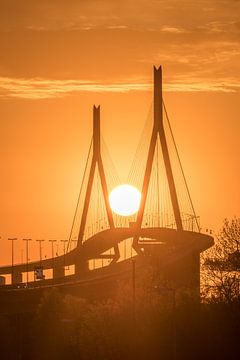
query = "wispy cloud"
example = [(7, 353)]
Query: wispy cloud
[(47, 89), (108, 40), (117, 27), (226, 85), (173, 30)]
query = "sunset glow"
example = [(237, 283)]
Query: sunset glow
[(125, 200), (60, 58), (119, 152)]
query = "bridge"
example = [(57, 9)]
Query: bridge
[(161, 231)]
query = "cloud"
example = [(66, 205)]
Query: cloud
[(173, 30), (117, 27), (112, 41), (58, 15), (34, 89), (227, 85), (45, 88)]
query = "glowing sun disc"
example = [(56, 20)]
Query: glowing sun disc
[(125, 200)]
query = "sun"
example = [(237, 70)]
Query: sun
[(125, 200)]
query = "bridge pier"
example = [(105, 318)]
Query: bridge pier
[(58, 272), (16, 277), (81, 268)]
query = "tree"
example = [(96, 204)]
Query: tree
[(221, 264)]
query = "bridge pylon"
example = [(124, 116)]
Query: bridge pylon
[(96, 163), (158, 130)]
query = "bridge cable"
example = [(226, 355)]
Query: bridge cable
[(135, 169), (181, 167), (79, 195)]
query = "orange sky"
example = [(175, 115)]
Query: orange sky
[(58, 58)]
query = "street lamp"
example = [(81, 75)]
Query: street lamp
[(72, 241), (27, 241), (40, 251), (12, 240), (64, 252), (134, 290), (39, 271), (52, 244)]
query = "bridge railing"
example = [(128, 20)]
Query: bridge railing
[(165, 220)]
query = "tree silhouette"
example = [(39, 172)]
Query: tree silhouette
[(221, 264)]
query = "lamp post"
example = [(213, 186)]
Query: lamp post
[(40, 272), (174, 323), (64, 252), (134, 290), (21, 256), (40, 251), (72, 241), (27, 241), (12, 240), (52, 244)]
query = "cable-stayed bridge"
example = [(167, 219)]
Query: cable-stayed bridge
[(165, 230)]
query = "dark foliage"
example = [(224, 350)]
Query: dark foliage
[(162, 325), (221, 265)]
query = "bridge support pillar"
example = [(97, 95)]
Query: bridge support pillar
[(81, 268), (58, 272), (17, 277)]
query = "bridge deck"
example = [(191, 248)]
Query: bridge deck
[(101, 242)]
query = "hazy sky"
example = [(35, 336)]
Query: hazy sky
[(58, 58)]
